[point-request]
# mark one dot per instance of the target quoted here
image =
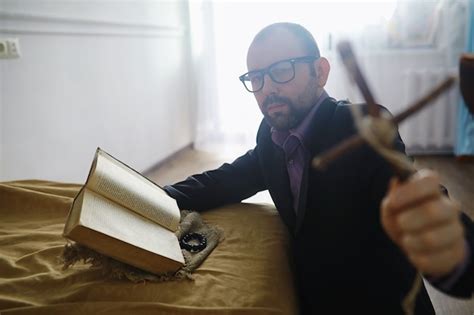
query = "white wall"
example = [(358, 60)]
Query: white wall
[(102, 73)]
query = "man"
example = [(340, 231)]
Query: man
[(358, 236)]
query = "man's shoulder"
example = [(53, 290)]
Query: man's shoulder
[(332, 112), (344, 108), (330, 109)]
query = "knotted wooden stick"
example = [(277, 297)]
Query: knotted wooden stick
[(355, 141)]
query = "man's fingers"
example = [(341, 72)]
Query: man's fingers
[(434, 239), (424, 223), (423, 185), (389, 221), (434, 212)]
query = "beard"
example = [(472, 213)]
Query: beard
[(284, 120)]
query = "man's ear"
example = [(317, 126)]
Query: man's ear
[(322, 70)]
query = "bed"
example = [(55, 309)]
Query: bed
[(247, 273)]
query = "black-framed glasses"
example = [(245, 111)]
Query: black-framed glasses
[(282, 71)]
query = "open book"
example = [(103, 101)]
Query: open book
[(123, 215)]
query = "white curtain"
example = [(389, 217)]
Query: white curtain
[(390, 37)]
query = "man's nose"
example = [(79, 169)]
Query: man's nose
[(269, 86)]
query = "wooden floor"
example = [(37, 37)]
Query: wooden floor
[(456, 176), (189, 162), (185, 163)]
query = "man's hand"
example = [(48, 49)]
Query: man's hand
[(424, 223)]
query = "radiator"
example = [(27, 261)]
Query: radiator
[(432, 130)]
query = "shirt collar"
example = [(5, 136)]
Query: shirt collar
[(301, 131)]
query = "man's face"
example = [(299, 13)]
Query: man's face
[(284, 105)]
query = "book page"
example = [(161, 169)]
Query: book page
[(112, 219), (122, 184), (74, 213)]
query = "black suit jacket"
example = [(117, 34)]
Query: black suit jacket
[(343, 260)]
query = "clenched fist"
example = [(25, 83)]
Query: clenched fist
[(424, 223)]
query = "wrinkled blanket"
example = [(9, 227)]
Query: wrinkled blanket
[(247, 273)]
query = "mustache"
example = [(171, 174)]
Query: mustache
[(275, 99)]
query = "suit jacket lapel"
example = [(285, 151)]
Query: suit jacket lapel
[(281, 186), (278, 180), (316, 145)]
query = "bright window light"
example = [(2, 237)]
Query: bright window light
[(235, 23)]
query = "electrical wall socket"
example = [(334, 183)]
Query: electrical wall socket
[(9, 48)]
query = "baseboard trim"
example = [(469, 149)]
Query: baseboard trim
[(465, 158)]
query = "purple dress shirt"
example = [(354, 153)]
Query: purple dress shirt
[(294, 144)]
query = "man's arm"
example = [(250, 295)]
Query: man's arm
[(229, 183), (432, 232), (425, 224)]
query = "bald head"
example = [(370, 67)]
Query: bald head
[(304, 37)]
